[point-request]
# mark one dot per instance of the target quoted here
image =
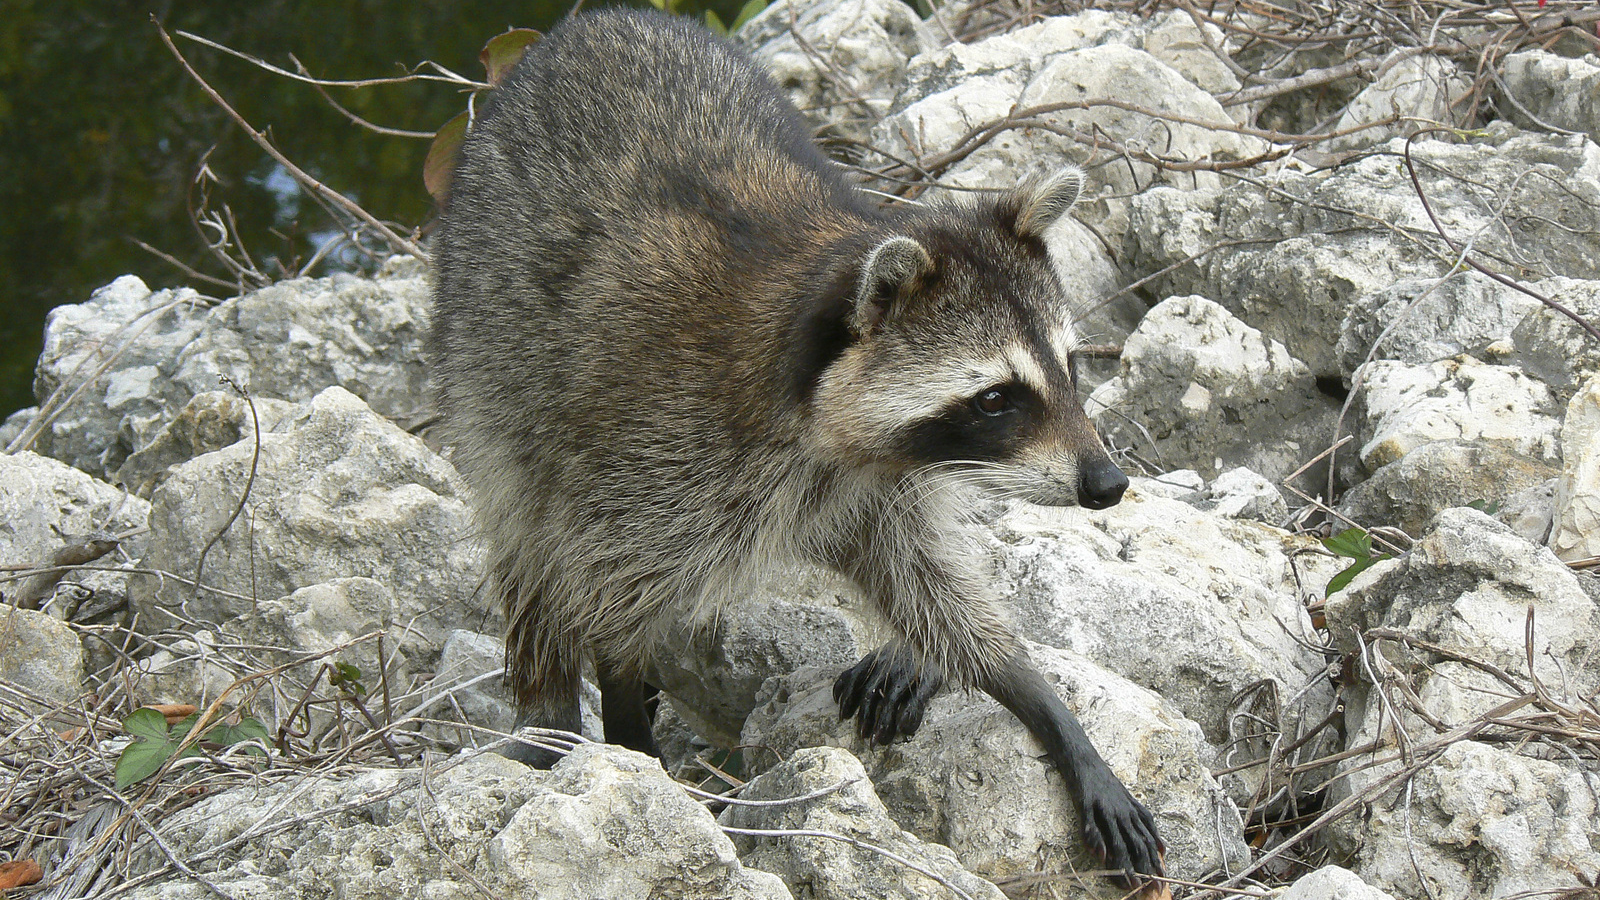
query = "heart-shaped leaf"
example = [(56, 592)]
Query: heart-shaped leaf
[(152, 744)]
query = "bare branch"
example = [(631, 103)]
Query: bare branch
[(316, 187)]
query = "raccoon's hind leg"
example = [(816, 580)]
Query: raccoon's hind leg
[(554, 706), (888, 691), (622, 709), (543, 663)]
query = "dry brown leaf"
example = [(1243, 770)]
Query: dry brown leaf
[(18, 873), (175, 712)]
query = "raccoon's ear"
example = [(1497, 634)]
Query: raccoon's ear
[(887, 272), (1041, 203)]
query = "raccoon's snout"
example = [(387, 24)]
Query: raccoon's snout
[(1100, 484)]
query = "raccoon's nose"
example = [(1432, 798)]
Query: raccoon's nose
[(1100, 484)]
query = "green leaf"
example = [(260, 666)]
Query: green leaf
[(181, 731), (140, 760), (747, 12), (247, 730), (146, 724), (152, 744), (1352, 542), (1487, 507), (714, 22), (440, 165), (347, 675), (1339, 581), (502, 52)]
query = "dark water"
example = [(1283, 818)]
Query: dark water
[(101, 136)]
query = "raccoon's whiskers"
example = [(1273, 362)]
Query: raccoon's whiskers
[(921, 484)]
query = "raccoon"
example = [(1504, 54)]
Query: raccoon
[(674, 344)]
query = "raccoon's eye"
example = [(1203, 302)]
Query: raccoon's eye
[(993, 402)]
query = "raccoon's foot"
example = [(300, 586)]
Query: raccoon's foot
[(888, 692), (622, 709), (555, 709), (529, 755)]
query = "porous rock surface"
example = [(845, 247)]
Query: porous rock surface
[(1576, 523), (1295, 255), (839, 62), (827, 868), (44, 504), (40, 655), (1192, 373), (972, 779), (1332, 883), (605, 822), (286, 342), (1266, 303), (339, 492), (1479, 819)]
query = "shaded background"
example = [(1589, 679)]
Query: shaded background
[(101, 134)]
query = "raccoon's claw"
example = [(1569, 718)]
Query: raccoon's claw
[(887, 692), (1120, 832)]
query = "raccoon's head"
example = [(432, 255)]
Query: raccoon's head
[(956, 356)]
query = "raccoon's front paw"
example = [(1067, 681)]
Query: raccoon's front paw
[(1118, 830), (888, 692)]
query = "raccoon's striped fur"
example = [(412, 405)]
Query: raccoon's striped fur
[(674, 345)]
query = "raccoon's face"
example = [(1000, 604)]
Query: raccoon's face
[(962, 363)]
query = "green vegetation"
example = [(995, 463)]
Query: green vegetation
[(154, 742), (1354, 544)]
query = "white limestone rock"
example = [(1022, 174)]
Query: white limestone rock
[(40, 655), (840, 62), (1114, 585), (1575, 531), (1432, 477), (1422, 89), (937, 123), (1558, 90), (1332, 883), (210, 421), (829, 869), (1468, 584), (1240, 493), (287, 341), (1404, 407), (1551, 347), (1480, 822), (605, 822), (1421, 321), (52, 514), (608, 822), (973, 780), (1290, 256), (340, 492), (1213, 394)]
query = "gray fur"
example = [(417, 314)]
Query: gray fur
[(890, 272), (1047, 201), (652, 364)]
